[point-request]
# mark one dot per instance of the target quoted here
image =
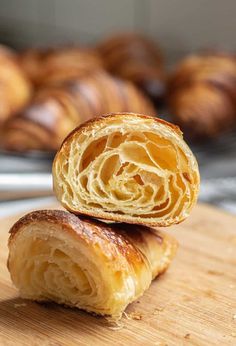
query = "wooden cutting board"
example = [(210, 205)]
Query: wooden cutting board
[(194, 303)]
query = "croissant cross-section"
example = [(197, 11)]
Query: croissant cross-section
[(127, 167), (56, 256)]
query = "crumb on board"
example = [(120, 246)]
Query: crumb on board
[(234, 317), (114, 323), (215, 272), (187, 336), (19, 305), (233, 335), (135, 315), (116, 326), (210, 293), (157, 310)]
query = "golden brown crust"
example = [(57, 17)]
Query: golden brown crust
[(115, 114), (135, 58), (87, 229), (57, 110), (15, 87), (85, 263), (201, 94), (59, 64), (125, 123)]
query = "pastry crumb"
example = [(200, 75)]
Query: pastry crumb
[(157, 310), (114, 323), (135, 315), (116, 326), (126, 315), (210, 293), (234, 317), (19, 305), (215, 272), (233, 335), (187, 336)]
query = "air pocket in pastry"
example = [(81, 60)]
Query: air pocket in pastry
[(57, 256), (127, 167)]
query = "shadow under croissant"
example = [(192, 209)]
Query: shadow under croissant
[(50, 319), (22, 316)]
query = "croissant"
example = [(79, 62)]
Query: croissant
[(56, 256), (43, 124), (55, 111), (15, 89), (136, 58), (57, 65), (127, 167), (202, 94), (31, 61)]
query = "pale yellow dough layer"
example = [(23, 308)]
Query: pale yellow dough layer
[(127, 167)]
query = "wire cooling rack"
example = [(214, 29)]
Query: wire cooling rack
[(217, 162)]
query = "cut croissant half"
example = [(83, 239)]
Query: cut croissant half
[(56, 256), (127, 167)]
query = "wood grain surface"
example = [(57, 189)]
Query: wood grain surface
[(194, 303)]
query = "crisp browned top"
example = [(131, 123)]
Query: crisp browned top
[(110, 237), (104, 117)]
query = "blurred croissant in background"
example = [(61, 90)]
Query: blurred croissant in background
[(57, 65), (15, 89), (202, 94), (57, 110), (137, 59)]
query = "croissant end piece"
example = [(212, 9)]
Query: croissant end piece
[(127, 167), (54, 255)]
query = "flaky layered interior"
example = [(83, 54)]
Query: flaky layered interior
[(56, 256), (127, 167)]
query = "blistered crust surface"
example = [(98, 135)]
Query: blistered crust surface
[(127, 167), (54, 255)]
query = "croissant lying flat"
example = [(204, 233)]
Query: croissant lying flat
[(57, 65), (56, 111), (127, 167), (54, 255), (43, 124), (15, 90), (202, 94), (135, 58)]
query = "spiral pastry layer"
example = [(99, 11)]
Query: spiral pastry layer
[(56, 256), (127, 167)]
